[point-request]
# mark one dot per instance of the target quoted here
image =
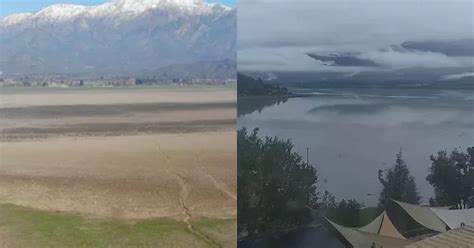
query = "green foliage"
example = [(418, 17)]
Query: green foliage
[(452, 176), (398, 184), (344, 212), (277, 190), (247, 86), (36, 228)]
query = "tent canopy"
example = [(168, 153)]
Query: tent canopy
[(374, 225), (382, 232), (361, 239), (382, 225), (456, 238), (454, 218), (423, 215)]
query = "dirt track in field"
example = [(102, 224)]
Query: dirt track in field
[(121, 160)]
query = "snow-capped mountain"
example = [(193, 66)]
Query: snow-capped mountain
[(118, 36)]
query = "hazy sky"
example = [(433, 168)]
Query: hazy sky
[(277, 35), (8, 7)]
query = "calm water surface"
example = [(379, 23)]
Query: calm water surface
[(351, 134)]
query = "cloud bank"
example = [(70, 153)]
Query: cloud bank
[(356, 35)]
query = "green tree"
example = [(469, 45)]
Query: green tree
[(346, 212), (398, 184), (452, 176), (328, 201), (277, 190)]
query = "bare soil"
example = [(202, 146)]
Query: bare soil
[(122, 176), (116, 154)]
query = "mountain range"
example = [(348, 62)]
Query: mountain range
[(125, 37)]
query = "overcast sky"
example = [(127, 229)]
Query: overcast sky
[(278, 35)]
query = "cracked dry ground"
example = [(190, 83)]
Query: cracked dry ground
[(124, 176), (184, 171)]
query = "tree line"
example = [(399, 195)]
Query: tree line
[(278, 189)]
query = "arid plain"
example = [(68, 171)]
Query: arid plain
[(127, 155)]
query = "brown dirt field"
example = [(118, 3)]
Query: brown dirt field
[(120, 157), (58, 97), (113, 129), (7, 240), (123, 176)]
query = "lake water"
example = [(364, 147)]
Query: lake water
[(351, 134)]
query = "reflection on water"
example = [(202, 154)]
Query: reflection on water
[(351, 108), (352, 134), (248, 105)]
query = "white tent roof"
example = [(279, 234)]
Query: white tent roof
[(454, 218), (382, 225), (388, 229), (382, 232), (423, 215), (373, 226), (361, 239), (456, 238)]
